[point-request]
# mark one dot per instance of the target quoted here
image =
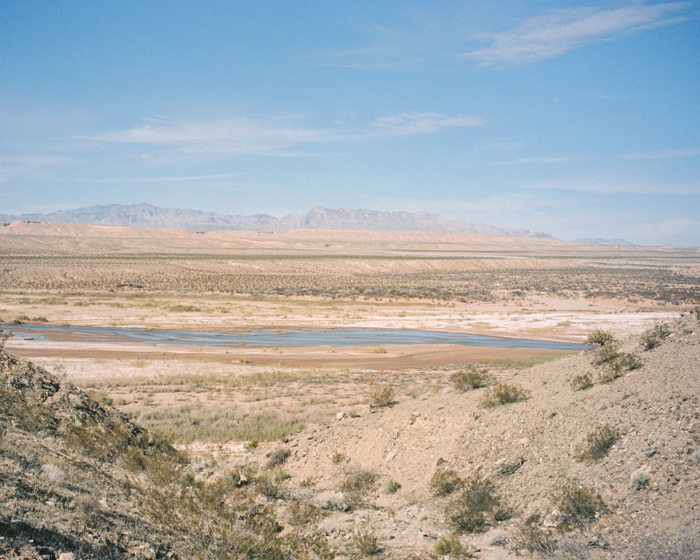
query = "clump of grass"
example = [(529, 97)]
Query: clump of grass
[(392, 486), (654, 337), (477, 499), (599, 337), (582, 382), (451, 546), (578, 505), (598, 443), (470, 378), (381, 395), (503, 393), (444, 483)]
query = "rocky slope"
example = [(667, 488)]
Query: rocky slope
[(649, 480)]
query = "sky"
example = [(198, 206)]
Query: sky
[(579, 119)]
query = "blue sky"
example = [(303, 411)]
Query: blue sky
[(574, 118)]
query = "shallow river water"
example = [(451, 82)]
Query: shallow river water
[(273, 337)]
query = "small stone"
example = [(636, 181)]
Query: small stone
[(396, 433), (339, 416), (390, 456), (66, 556)]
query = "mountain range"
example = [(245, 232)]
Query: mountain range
[(146, 215)]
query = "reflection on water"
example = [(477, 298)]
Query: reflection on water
[(269, 337)]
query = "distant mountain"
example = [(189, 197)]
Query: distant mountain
[(145, 215), (605, 242)]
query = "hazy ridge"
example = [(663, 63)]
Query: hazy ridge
[(146, 215)]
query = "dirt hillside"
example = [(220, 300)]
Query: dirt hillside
[(649, 480)]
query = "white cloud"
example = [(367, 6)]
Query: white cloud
[(560, 31), (422, 123), (275, 135)]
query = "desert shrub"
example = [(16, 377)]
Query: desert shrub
[(616, 367), (337, 458), (640, 479), (356, 484), (392, 486), (503, 393), (444, 483), (598, 443), (266, 486), (381, 395), (281, 475), (599, 337), (365, 543), (451, 546), (605, 354), (478, 498), (582, 382), (303, 514), (654, 337), (470, 378), (3, 339), (578, 505), (533, 538), (277, 457)]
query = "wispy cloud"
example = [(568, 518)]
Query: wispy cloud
[(422, 123), (276, 135), (610, 185), (647, 155), (13, 166), (558, 32)]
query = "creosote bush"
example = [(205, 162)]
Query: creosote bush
[(582, 382), (654, 337), (578, 505), (477, 499), (470, 378), (503, 393), (392, 486), (599, 337), (444, 483), (598, 443)]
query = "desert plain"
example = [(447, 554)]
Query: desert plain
[(232, 406)]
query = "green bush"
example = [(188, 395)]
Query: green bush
[(471, 378), (582, 382), (605, 354), (366, 543), (503, 393), (578, 505), (392, 486), (451, 546), (598, 443), (654, 337), (599, 337), (444, 483), (477, 499)]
